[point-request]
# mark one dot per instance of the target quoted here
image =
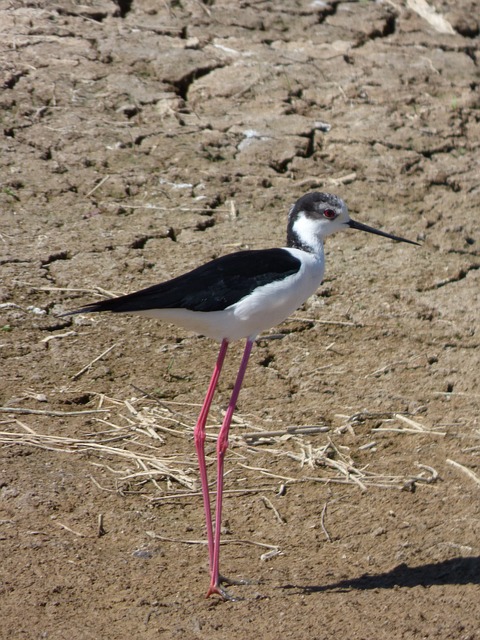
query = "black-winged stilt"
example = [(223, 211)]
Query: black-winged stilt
[(239, 296)]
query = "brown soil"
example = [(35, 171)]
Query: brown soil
[(141, 138)]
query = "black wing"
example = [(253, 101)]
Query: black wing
[(212, 287)]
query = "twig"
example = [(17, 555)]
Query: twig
[(194, 494), (386, 367), (267, 473), (322, 522), (97, 186), (76, 533), (456, 393), (264, 545), (268, 503), (59, 335), (415, 431), (100, 528), (157, 536), (416, 425), (162, 403), (161, 208), (284, 432), (361, 416), (409, 421), (368, 445), (233, 210), (334, 322), (71, 289), (26, 427), (434, 472), (86, 367), (468, 472), (46, 412), (99, 486)]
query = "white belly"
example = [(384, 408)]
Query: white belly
[(266, 307)]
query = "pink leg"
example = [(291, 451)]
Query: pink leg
[(199, 436), (222, 445)]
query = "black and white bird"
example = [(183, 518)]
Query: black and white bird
[(239, 296)]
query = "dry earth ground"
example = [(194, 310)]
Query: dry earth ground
[(142, 137)]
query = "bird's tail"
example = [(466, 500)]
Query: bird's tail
[(110, 304)]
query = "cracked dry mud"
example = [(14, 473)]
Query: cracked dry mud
[(141, 138)]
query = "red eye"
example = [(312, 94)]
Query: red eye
[(329, 214)]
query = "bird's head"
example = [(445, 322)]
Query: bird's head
[(317, 215)]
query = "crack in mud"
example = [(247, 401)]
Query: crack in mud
[(460, 275)]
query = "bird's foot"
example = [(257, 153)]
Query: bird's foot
[(222, 592), (218, 588)]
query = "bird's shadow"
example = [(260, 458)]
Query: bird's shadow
[(456, 571)]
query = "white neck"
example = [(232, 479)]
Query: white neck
[(304, 235)]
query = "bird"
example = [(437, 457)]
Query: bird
[(237, 296)]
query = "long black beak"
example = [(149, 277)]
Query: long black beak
[(364, 227)]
